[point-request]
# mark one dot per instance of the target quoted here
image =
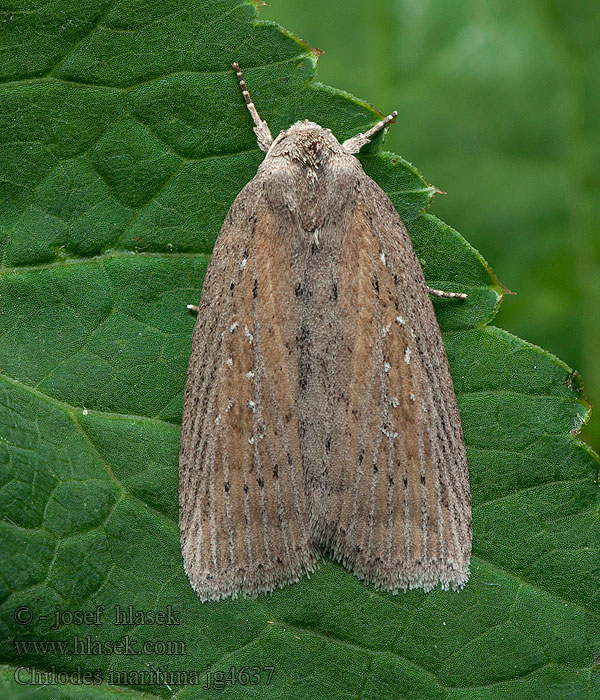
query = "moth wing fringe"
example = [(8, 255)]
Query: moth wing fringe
[(241, 588)]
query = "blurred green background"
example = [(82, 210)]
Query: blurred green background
[(499, 105)]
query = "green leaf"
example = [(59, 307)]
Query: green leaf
[(123, 142)]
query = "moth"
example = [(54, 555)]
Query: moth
[(319, 412)]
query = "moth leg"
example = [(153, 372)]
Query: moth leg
[(446, 295), (261, 129), (354, 144), (193, 307)]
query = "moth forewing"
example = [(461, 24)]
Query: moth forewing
[(243, 510), (319, 411)]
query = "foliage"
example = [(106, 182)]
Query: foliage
[(123, 143)]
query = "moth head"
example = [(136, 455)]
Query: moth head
[(305, 142)]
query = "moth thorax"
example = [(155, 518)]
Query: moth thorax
[(307, 144)]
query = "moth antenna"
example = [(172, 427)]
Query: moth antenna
[(261, 128), (354, 144), (446, 295)]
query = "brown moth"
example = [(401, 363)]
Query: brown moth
[(319, 412)]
